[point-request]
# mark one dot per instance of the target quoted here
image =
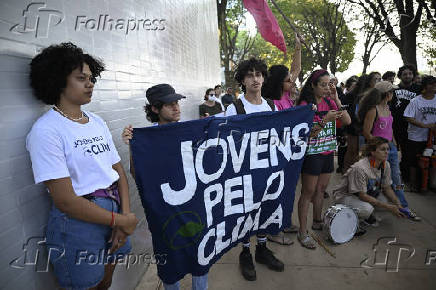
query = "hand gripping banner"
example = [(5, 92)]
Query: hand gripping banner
[(205, 185)]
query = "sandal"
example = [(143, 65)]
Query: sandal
[(291, 230), (280, 239), (306, 241)]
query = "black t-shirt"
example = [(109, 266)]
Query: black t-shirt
[(400, 100), (210, 110), (349, 101)]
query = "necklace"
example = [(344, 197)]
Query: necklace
[(68, 117)]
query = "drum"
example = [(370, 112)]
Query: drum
[(340, 223)]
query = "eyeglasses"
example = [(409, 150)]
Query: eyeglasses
[(212, 95)]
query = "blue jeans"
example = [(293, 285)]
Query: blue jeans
[(396, 174), (198, 283)]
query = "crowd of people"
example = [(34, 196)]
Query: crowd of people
[(373, 118)]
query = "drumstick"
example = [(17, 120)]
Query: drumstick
[(321, 243)]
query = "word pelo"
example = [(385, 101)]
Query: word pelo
[(193, 165)]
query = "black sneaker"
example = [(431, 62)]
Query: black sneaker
[(265, 256), (246, 264)]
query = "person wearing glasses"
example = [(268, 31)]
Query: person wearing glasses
[(211, 106), (280, 84), (281, 88)]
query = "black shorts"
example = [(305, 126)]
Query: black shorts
[(413, 148), (318, 164)]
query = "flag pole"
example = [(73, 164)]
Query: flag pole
[(290, 23)]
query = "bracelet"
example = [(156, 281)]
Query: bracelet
[(112, 224)]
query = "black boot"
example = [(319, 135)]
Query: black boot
[(265, 256), (246, 264)]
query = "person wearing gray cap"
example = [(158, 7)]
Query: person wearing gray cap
[(163, 108), (377, 121)]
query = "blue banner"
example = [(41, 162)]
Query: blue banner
[(205, 185)]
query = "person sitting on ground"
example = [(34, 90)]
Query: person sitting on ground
[(361, 187), (210, 107)]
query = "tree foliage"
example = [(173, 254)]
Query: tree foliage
[(321, 23), (400, 21)]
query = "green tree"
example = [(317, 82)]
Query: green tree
[(321, 23), (235, 43), (400, 21)]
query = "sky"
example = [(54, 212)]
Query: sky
[(388, 57)]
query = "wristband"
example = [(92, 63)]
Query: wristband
[(112, 224)]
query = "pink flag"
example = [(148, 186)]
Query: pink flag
[(266, 23)]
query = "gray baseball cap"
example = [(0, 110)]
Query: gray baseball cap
[(163, 93)]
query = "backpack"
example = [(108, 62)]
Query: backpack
[(240, 110)]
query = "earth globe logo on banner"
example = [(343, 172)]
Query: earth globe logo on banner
[(182, 230)]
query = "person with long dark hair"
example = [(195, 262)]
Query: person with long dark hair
[(318, 163), (73, 154), (351, 101), (280, 83), (377, 119)]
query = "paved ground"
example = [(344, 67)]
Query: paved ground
[(316, 269)]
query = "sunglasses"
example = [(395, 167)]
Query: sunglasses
[(212, 95)]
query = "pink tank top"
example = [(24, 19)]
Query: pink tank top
[(383, 127)]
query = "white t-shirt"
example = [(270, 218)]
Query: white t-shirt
[(60, 148), (423, 111), (249, 107)]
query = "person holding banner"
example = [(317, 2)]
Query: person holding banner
[(72, 152), (163, 108), (318, 163), (250, 75)]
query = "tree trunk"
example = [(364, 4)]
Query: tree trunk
[(408, 40)]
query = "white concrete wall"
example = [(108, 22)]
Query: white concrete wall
[(183, 52)]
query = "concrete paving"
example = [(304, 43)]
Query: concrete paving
[(316, 269)]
